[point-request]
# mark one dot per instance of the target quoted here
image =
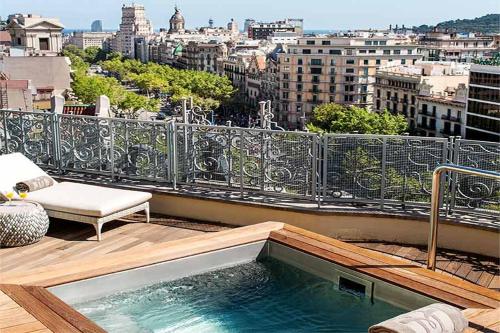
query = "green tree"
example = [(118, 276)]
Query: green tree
[(336, 118)]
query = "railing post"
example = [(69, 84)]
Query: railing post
[(57, 141), (324, 178), (5, 132), (242, 146), (314, 174), (454, 158), (383, 172), (112, 148)]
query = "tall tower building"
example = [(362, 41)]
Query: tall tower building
[(96, 26), (134, 24), (233, 26), (177, 22)]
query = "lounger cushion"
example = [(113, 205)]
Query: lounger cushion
[(89, 200)]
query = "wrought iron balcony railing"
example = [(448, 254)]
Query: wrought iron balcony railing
[(332, 168)]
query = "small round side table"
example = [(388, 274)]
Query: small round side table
[(22, 223)]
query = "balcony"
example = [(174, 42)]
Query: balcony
[(315, 91), (451, 118), (195, 173), (429, 127), (427, 113)]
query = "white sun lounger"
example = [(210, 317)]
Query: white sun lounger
[(90, 204)]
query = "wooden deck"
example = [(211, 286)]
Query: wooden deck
[(70, 253)]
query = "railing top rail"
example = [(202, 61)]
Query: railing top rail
[(244, 129), (36, 112), (406, 137), (460, 139)]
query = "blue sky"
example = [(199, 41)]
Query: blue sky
[(317, 14)]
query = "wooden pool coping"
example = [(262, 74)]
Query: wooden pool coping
[(27, 288)]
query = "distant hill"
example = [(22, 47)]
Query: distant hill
[(485, 24)]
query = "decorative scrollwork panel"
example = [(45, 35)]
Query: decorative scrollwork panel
[(30, 133)]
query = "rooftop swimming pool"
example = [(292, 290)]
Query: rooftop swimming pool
[(257, 287), (260, 296)]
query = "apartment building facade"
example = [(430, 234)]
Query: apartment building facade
[(204, 56), (399, 89), (263, 30), (134, 24), (83, 40), (447, 46), (339, 69), (483, 103)]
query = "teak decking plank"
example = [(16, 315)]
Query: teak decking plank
[(69, 314), (37, 309), (389, 260), (371, 269)]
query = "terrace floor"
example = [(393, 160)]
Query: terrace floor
[(67, 241)]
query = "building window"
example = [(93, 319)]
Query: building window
[(362, 51), (285, 85), (349, 62), (299, 86), (316, 62), (338, 52), (310, 42), (403, 61), (372, 51), (299, 61), (315, 79), (325, 42), (299, 78), (285, 95), (377, 62), (378, 93), (286, 76), (368, 42), (332, 88), (410, 51), (299, 98), (349, 70), (366, 62), (397, 51), (299, 70), (306, 51), (386, 52), (316, 70)]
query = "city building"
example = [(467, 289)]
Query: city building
[(35, 34), (233, 27), (451, 46), (134, 24), (286, 37), (483, 104), (96, 26), (441, 113), (261, 30), (204, 56), (247, 24), (336, 68), (47, 76), (177, 22), (253, 82), (86, 39), (400, 88)]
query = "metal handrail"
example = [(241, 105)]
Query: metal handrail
[(436, 189)]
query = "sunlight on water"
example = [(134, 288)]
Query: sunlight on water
[(256, 297)]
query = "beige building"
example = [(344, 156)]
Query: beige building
[(446, 46), (37, 35), (442, 113), (401, 90), (253, 83), (134, 24), (338, 69), (204, 56), (83, 40)]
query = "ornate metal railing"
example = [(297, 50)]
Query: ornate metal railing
[(353, 168)]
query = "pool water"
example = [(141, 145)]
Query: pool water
[(262, 296)]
